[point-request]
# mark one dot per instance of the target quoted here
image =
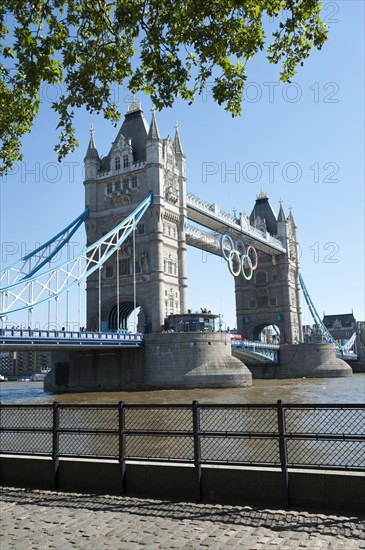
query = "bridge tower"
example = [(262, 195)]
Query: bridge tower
[(272, 296), (149, 270)]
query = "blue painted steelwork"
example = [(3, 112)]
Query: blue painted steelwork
[(318, 321), (17, 338), (20, 267), (258, 349), (47, 285)]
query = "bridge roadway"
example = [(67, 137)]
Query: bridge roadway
[(25, 339), (220, 222), (12, 339), (257, 352), (50, 340)]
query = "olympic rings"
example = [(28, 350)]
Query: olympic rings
[(241, 261)]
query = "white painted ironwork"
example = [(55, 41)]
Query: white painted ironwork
[(32, 263), (214, 211), (50, 284)]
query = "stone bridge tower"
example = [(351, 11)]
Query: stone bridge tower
[(271, 297), (138, 162)]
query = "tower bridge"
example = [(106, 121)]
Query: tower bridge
[(141, 161), (137, 214)]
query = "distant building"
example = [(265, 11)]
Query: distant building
[(6, 363), (342, 327), (31, 362)]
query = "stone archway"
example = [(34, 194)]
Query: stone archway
[(127, 321), (269, 333)]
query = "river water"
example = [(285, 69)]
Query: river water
[(303, 390)]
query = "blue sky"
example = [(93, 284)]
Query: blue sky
[(303, 143)]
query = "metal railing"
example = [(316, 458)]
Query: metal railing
[(79, 337), (281, 436), (213, 210)]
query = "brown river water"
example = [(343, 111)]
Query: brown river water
[(303, 390)]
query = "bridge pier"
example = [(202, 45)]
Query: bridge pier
[(166, 361), (95, 370), (303, 361)]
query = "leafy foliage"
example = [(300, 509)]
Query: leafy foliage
[(165, 48)]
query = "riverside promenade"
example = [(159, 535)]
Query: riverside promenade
[(34, 519)]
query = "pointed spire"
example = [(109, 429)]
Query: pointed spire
[(262, 195), (177, 143), (134, 106), (281, 215), (153, 132), (92, 151)]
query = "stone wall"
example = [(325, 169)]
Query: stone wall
[(192, 360), (173, 360), (302, 360)]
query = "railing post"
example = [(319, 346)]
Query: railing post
[(56, 443), (283, 452), (197, 453), (121, 459)]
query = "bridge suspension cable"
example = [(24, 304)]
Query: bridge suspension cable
[(317, 320), (33, 262), (42, 287)]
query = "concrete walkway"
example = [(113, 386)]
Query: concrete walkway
[(33, 519)]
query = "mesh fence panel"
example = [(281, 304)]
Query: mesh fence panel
[(238, 419), (26, 417), (159, 447), (326, 453), (26, 443), (159, 419), (89, 418), (325, 421), (240, 450), (93, 445), (175, 425)]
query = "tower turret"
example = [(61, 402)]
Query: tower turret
[(154, 142), (281, 224), (91, 170), (92, 159)]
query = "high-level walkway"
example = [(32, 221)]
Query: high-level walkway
[(32, 519)]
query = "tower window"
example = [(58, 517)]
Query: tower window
[(141, 229), (169, 267), (125, 161), (126, 184), (134, 182), (124, 266), (117, 185), (109, 271), (262, 301), (109, 188), (261, 278), (117, 163)]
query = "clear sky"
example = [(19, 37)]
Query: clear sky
[(302, 143)]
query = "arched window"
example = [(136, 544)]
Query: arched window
[(117, 163), (125, 161), (261, 278)]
